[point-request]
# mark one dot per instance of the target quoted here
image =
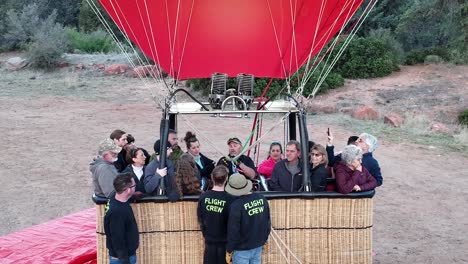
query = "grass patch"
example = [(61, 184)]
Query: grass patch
[(415, 130)]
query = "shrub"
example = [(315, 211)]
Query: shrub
[(367, 58), (48, 43), (97, 41), (418, 56), (433, 59), (463, 118), (386, 36), (20, 27)]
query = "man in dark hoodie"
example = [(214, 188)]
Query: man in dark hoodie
[(103, 169), (249, 222), (287, 173), (213, 212), (122, 238)]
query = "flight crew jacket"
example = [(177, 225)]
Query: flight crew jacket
[(249, 223)]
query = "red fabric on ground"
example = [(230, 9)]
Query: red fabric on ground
[(70, 239)]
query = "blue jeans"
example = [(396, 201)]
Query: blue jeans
[(251, 256), (116, 261)]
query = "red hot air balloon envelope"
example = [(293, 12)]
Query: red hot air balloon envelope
[(195, 38)]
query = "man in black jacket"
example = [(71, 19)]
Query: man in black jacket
[(249, 222), (287, 173), (122, 238), (213, 211), (243, 165)]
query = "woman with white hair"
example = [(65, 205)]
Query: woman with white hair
[(350, 174), (368, 143)]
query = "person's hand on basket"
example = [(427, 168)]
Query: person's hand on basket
[(228, 257)]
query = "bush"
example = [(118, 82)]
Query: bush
[(418, 56), (433, 59), (367, 58), (20, 27), (463, 118), (97, 41), (48, 43), (386, 36)]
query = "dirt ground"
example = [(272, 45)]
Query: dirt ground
[(51, 124)]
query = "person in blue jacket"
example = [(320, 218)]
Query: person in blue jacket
[(368, 144)]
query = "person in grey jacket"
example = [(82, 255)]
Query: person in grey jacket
[(286, 175), (103, 169)]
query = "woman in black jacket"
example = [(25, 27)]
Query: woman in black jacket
[(205, 165), (318, 171), (136, 159)]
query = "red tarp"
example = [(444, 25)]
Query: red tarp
[(70, 239)]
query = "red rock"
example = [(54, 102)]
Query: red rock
[(440, 128), (393, 119), (346, 110), (63, 64), (115, 69), (365, 112), (145, 71), (311, 107), (100, 66), (79, 66)]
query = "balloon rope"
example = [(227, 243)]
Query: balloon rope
[(327, 35), (286, 74), (278, 238), (350, 36), (293, 37), (185, 39), (258, 108), (107, 27)]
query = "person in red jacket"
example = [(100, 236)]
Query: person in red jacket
[(274, 155), (350, 174)]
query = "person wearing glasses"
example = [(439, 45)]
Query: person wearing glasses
[(274, 155), (120, 139), (122, 238), (350, 174), (368, 144), (243, 165), (318, 170), (102, 168)]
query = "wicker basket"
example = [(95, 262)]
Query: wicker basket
[(322, 230)]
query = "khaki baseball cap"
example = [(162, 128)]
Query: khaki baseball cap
[(108, 145)]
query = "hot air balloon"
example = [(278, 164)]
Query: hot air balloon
[(218, 39)]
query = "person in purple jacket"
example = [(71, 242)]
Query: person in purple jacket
[(350, 174)]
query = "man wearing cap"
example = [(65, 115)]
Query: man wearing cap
[(103, 169), (249, 222), (243, 165), (153, 174), (286, 175)]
